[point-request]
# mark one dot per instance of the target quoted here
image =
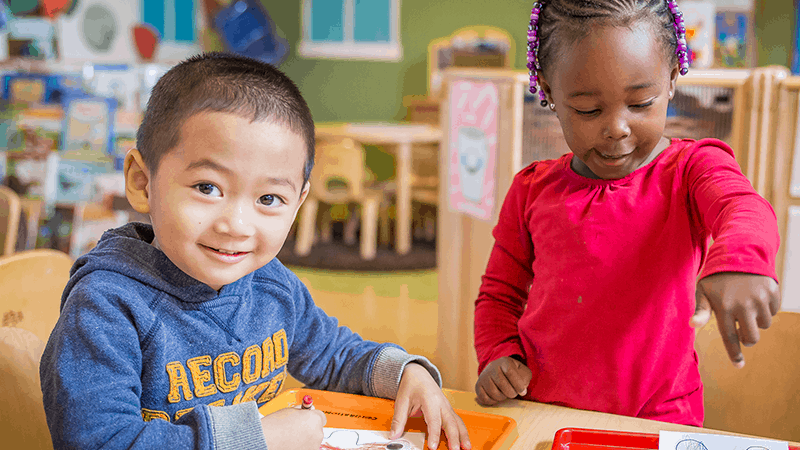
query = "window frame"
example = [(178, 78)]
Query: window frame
[(348, 48)]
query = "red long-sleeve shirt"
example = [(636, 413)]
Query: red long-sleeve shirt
[(592, 282)]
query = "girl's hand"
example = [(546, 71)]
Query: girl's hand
[(419, 392), (737, 298), (294, 428), (502, 378)]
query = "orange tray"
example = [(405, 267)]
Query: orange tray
[(486, 431)]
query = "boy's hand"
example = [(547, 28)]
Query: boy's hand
[(418, 391), (503, 378), (294, 428), (737, 298)]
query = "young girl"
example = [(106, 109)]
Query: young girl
[(602, 262)]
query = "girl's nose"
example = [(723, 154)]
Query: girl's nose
[(236, 221), (617, 127)]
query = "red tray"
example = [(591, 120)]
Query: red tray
[(586, 439)]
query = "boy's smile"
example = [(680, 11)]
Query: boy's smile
[(223, 200), (611, 91)]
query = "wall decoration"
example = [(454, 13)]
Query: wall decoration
[(473, 137), (700, 19), (98, 31)]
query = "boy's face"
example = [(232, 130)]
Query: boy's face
[(223, 200)]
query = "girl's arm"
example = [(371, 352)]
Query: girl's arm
[(738, 280), (505, 284)]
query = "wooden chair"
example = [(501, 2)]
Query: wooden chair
[(762, 398), (22, 418), (10, 212), (32, 282), (340, 177)]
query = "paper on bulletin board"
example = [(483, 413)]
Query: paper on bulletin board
[(473, 147), (700, 20), (675, 440)]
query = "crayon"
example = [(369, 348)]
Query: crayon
[(307, 402)]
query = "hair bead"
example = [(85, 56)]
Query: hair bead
[(533, 51)]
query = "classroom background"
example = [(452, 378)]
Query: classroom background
[(397, 229)]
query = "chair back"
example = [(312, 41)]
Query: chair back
[(10, 212), (763, 397), (339, 171), (32, 282), (22, 419)]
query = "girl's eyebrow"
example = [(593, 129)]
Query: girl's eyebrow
[(634, 87)]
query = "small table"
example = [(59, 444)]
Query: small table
[(399, 138), (537, 423)]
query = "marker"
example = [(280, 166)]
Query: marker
[(307, 402)]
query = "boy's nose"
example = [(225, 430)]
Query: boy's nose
[(236, 221)]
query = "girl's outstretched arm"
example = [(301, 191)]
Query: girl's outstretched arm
[(738, 280)]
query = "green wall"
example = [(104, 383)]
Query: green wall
[(338, 90)]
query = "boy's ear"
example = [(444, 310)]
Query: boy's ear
[(136, 179), (303, 196)]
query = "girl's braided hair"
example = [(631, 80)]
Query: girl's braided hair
[(556, 22)]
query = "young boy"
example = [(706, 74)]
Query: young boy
[(160, 323)]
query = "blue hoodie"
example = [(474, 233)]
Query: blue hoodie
[(142, 351)]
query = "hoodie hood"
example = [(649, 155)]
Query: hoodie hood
[(128, 251)]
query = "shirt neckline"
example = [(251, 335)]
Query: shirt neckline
[(567, 163)]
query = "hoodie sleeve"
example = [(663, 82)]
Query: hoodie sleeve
[(91, 382), (327, 356)]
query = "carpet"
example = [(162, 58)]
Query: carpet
[(336, 255)]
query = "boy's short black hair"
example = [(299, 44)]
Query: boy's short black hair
[(221, 82), (565, 22)]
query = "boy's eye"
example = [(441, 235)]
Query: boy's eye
[(208, 189), (270, 200)]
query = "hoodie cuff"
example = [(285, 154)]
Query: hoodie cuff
[(236, 427), (389, 368)]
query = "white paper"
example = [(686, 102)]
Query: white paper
[(675, 440), (344, 439)]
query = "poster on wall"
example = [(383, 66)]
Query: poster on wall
[(473, 147), (700, 20)]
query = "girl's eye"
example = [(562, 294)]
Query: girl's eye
[(270, 200), (643, 105), (208, 189), (587, 113)]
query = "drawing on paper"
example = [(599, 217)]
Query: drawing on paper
[(344, 439), (672, 440)]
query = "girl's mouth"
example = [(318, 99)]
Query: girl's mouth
[(225, 252)]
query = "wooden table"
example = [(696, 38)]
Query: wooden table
[(398, 138), (537, 423)]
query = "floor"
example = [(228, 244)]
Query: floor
[(398, 307)]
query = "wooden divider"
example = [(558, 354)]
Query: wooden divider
[(786, 189)]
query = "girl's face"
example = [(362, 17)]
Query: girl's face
[(611, 91)]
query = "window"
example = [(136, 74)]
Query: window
[(176, 22), (364, 29)]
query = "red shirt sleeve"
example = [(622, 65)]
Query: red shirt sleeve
[(742, 224), (506, 282)]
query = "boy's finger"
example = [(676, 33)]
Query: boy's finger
[(434, 421), (451, 432), (494, 392), (463, 435), (401, 406)]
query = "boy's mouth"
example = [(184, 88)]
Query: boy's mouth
[(224, 252)]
